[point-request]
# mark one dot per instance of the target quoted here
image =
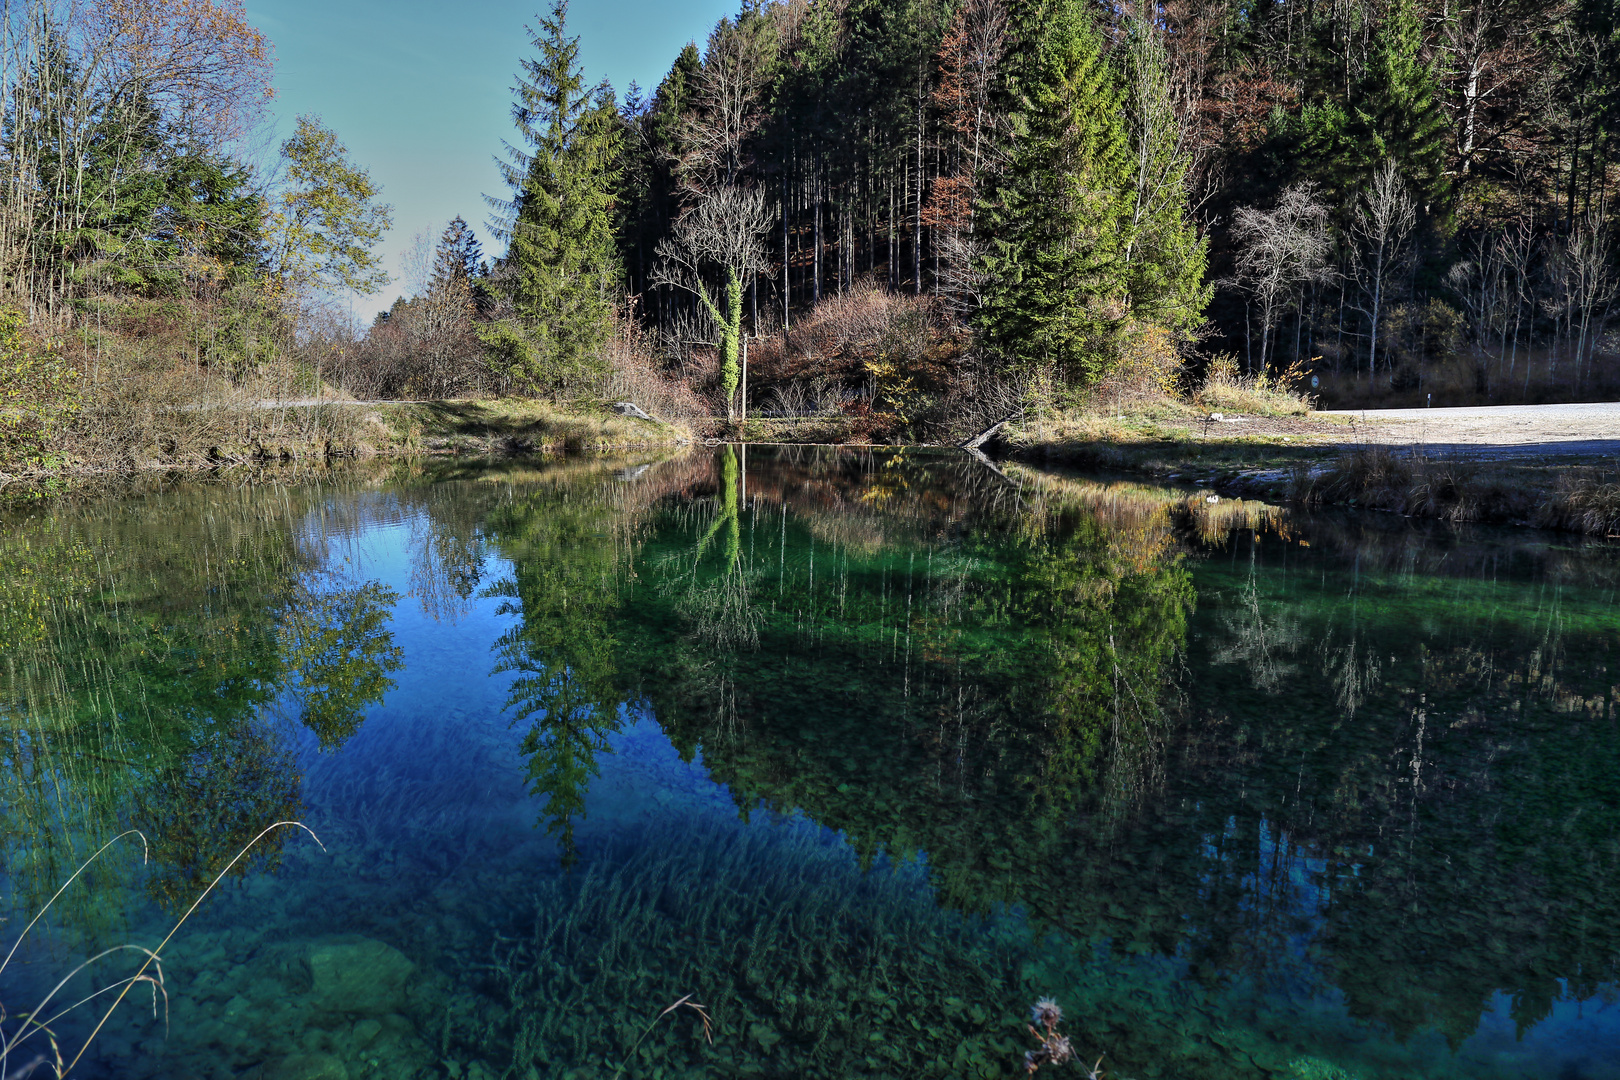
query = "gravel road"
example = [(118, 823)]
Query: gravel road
[(1587, 430)]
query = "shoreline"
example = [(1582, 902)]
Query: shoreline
[(1314, 461)]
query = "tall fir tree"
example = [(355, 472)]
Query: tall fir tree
[(1398, 110), (1392, 112), (562, 257), (1059, 212)]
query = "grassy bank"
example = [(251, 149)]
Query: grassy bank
[(512, 426), (240, 431), (1311, 461)]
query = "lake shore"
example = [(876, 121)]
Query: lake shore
[(1513, 465), (1523, 466)]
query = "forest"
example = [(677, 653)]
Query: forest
[(916, 215)]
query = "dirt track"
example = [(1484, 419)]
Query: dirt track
[(1494, 431)]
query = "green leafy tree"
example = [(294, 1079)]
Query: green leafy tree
[(327, 220), (1056, 284), (1165, 258), (562, 258)]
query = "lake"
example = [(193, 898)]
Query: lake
[(854, 754)]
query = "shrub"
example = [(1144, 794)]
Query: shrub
[(39, 395)]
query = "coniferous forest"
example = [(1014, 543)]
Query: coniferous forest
[(917, 216)]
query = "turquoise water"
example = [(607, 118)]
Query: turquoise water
[(864, 751)]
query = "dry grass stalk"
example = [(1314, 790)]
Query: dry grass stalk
[(149, 973), (686, 1002)]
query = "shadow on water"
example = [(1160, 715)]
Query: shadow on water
[(867, 749)]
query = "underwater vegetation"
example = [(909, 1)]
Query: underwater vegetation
[(808, 965)]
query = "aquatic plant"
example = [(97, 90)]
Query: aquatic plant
[(808, 965)]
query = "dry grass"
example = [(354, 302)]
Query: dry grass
[(517, 425), (1582, 504), (1416, 485), (1226, 390)]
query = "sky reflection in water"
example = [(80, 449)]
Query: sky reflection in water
[(867, 750)]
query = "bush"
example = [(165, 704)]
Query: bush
[(39, 395), (895, 363), (1225, 389)]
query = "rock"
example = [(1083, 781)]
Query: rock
[(365, 1031), (299, 1067), (358, 976), (631, 409)]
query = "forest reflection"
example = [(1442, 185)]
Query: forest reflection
[(1279, 750), (152, 660), (1290, 753)]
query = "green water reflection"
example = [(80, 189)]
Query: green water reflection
[(1251, 794)]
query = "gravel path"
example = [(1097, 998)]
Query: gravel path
[(1586, 430)]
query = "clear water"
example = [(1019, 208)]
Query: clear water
[(865, 751)]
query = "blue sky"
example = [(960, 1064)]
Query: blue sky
[(420, 91)]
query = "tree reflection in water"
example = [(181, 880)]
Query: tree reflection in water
[(1160, 727), (147, 670)]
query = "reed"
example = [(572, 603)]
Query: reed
[(149, 973)]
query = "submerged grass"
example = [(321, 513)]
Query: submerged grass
[(808, 964)]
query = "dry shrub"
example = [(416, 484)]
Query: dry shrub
[(1226, 389), (1147, 369), (1582, 504), (634, 374), (894, 364), (417, 349)]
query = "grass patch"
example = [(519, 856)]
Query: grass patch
[(1573, 498), (516, 425)]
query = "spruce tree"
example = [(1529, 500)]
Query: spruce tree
[(1058, 215), (563, 266), (1398, 112), (1392, 114)]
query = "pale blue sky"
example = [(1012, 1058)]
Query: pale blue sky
[(420, 91)]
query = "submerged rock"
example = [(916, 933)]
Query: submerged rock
[(357, 975), (299, 1067)]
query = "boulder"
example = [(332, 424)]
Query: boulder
[(357, 976)]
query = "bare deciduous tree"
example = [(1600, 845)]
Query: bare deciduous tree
[(726, 102), (1381, 226), (1280, 250), (718, 238)]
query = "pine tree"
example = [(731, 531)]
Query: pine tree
[(1392, 114), (559, 222), (1056, 282)]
